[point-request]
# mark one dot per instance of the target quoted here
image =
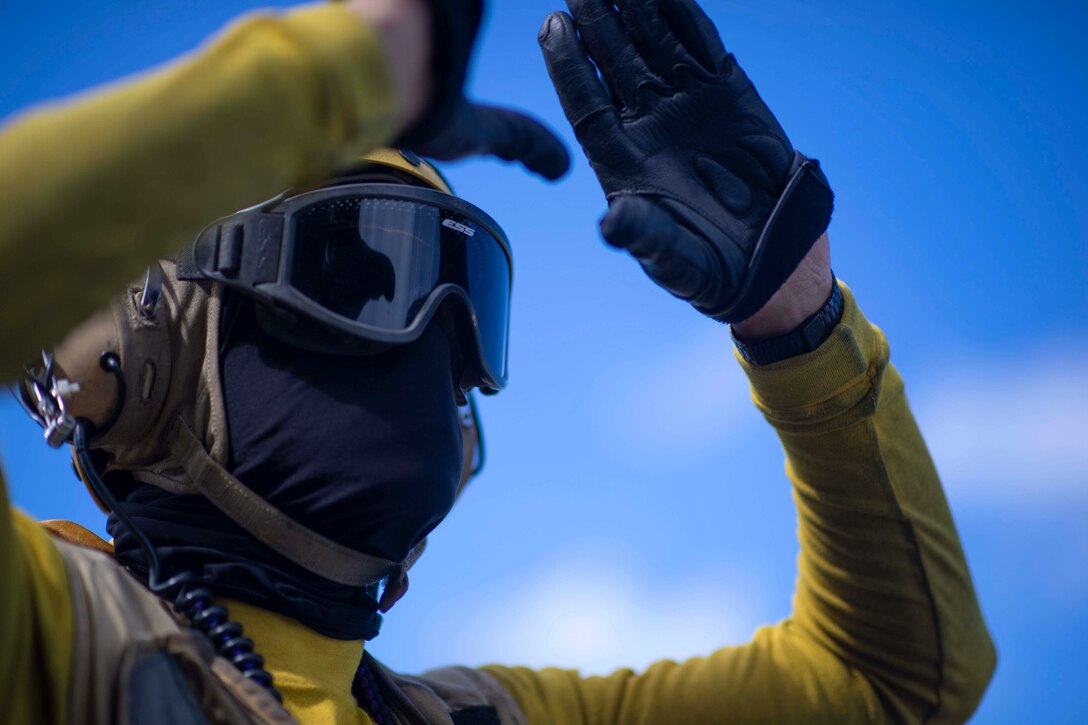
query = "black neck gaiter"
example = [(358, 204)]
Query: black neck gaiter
[(364, 450)]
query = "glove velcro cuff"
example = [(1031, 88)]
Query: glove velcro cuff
[(801, 215)]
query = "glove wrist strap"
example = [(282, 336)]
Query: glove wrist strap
[(801, 215)]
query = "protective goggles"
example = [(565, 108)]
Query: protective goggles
[(371, 265)]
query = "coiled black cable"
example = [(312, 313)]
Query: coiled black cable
[(184, 591), (39, 397), (369, 695)]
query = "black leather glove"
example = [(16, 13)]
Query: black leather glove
[(704, 188), (452, 127)]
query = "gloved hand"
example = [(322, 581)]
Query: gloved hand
[(452, 127), (704, 188)]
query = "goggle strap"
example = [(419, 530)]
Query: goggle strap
[(242, 248), (186, 266)]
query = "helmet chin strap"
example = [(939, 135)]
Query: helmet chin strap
[(266, 523)]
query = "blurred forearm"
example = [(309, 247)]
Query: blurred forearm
[(404, 27), (96, 188)]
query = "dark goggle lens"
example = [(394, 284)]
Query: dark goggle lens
[(378, 261)]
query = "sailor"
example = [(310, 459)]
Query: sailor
[(276, 416)]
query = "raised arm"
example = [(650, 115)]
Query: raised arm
[(885, 627), (97, 187), (708, 195)]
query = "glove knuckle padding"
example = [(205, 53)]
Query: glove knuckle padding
[(677, 260), (772, 159), (734, 194), (687, 271), (686, 129)]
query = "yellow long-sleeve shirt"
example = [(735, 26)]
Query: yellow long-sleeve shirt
[(885, 623)]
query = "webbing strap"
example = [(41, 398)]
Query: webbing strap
[(186, 269), (272, 527)]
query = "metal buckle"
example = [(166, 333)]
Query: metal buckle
[(50, 404), (149, 300)]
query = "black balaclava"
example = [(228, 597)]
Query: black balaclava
[(364, 450)]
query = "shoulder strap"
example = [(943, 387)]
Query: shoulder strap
[(110, 610), (449, 696), (132, 661)]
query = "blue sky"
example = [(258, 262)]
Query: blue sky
[(634, 505)]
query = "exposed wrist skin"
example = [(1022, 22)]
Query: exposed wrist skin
[(803, 294), (405, 29), (807, 337)]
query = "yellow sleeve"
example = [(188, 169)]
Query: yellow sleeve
[(885, 627), (96, 188), (35, 622)]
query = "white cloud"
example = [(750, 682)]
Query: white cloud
[(1010, 431), (599, 615), (684, 405)]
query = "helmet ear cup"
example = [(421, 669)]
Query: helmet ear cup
[(133, 370), (90, 390)]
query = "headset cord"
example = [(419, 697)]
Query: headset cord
[(184, 591), (41, 398), (369, 695)]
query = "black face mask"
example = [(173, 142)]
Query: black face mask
[(364, 450)]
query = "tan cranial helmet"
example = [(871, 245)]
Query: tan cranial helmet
[(171, 430)]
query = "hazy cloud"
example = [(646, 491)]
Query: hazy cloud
[(600, 615), (687, 404), (1010, 431)]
